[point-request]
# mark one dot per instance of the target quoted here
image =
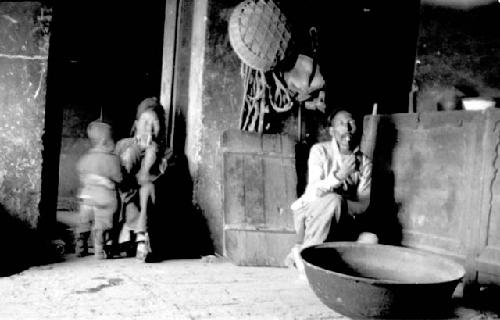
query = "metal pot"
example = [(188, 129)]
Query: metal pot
[(381, 281)]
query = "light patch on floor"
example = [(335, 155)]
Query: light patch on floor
[(85, 288)]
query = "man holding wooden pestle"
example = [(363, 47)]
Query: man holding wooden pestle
[(338, 189)]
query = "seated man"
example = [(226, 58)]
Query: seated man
[(337, 191)]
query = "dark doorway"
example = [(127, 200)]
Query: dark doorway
[(109, 57), (104, 59)]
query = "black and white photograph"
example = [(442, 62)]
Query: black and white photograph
[(250, 159)]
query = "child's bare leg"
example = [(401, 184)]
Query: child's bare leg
[(99, 236), (83, 230), (82, 244)]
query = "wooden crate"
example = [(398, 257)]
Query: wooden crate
[(441, 171)]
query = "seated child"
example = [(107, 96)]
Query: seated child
[(100, 172)]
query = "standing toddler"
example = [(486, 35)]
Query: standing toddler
[(100, 172)]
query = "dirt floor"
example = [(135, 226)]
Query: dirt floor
[(86, 288)]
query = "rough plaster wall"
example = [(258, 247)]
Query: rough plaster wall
[(24, 43), (220, 111), (458, 51)]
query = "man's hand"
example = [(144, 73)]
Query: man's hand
[(321, 191), (130, 158), (346, 167)]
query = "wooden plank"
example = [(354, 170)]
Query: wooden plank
[(440, 215), (488, 268), (291, 181), (435, 243), (488, 276), (255, 248), (259, 186), (254, 190), (278, 194), (487, 250), (251, 142), (288, 146), (437, 162), (474, 159), (168, 64), (241, 141), (493, 225), (233, 189), (271, 143)]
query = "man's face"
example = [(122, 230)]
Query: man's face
[(343, 129)]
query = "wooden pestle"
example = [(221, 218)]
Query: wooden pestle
[(369, 138)]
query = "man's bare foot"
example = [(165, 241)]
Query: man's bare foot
[(294, 260)]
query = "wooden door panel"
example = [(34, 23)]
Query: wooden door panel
[(488, 252), (259, 185), (234, 201), (430, 166), (279, 184)]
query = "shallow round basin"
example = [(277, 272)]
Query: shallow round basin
[(381, 281)]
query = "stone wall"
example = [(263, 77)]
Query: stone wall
[(25, 158), (24, 44), (220, 105)]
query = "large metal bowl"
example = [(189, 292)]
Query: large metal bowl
[(381, 281)]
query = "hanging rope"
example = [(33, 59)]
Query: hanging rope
[(254, 99), (261, 91), (281, 99)]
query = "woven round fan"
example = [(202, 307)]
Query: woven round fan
[(259, 33)]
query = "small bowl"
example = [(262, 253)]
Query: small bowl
[(365, 281), (477, 104)]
